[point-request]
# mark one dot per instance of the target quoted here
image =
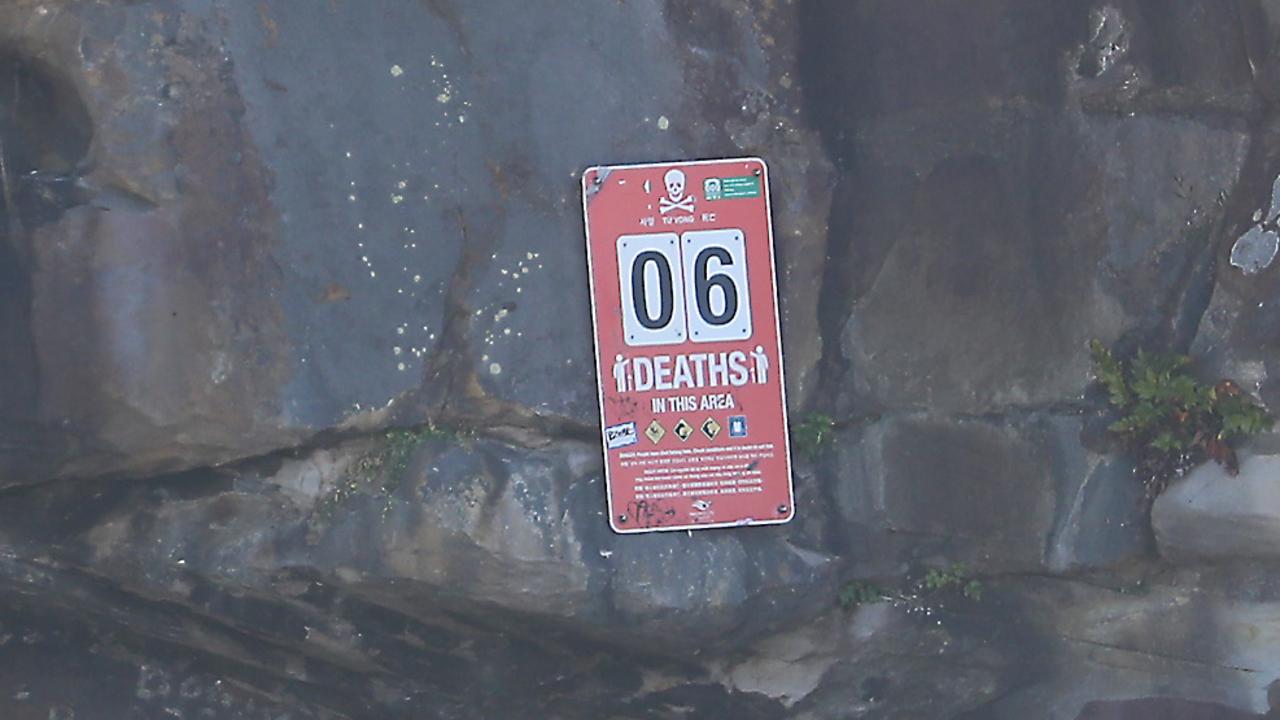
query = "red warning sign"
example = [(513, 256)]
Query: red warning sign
[(688, 353)]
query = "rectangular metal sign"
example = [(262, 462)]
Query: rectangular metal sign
[(688, 352)]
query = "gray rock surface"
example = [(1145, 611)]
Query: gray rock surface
[(999, 215), (473, 523), (315, 230), (1210, 515), (1014, 495), (297, 414)]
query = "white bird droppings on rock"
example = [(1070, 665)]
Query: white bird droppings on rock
[(1255, 250)]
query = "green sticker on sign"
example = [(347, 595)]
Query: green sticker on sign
[(730, 188)]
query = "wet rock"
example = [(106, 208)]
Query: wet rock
[(1053, 648), (319, 569), (1234, 337), (1235, 341), (490, 530), (155, 339), (1098, 641), (55, 669), (996, 496), (282, 233), (312, 651), (492, 130), (1255, 250), (995, 223), (1161, 709), (254, 239), (971, 323), (1100, 521), (980, 492), (1209, 515), (882, 657)]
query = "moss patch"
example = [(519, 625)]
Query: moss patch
[(811, 434), (381, 470), (925, 593)]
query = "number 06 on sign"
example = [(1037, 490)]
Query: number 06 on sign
[(688, 354)]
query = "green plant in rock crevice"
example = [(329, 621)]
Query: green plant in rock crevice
[(1169, 420), (922, 594), (862, 592), (811, 434), (382, 468), (955, 577)]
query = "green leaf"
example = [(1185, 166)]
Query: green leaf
[(1146, 416), (973, 590), (1124, 425), (1182, 390), (1241, 417), (1110, 373), (860, 592)]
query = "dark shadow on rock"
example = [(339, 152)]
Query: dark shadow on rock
[(45, 133), (864, 64), (1160, 709), (870, 59)]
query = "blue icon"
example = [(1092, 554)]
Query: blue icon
[(737, 426)]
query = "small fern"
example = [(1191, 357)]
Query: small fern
[(1169, 420)]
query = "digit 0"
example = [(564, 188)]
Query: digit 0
[(640, 295), (651, 281)]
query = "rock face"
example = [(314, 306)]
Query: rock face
[(274, 240), (1019, 495), (1211, 516), (297, 409), (996, 215)]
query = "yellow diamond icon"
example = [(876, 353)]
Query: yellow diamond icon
[(682, 429), (655, 432), (711, 428)]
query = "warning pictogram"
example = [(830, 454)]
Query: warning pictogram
[(655, 432), (682, 429), (711, 428)]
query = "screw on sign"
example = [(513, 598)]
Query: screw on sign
[(688, 353)]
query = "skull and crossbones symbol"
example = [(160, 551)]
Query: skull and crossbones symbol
[(676, 199)]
